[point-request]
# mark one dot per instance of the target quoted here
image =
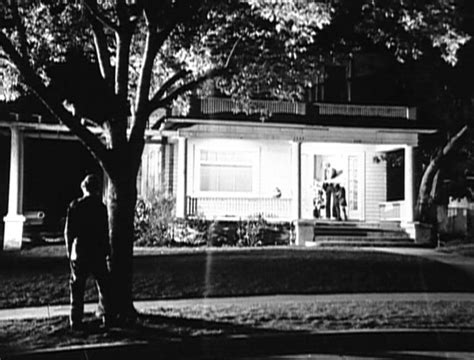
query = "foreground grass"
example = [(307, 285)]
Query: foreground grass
[(40, 276), (184, 321)]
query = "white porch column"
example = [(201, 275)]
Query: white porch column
[(14, 220), (296, 180), (303, 230), (409, 185), (182, 177)]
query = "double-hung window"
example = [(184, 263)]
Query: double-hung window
[(226, 171)]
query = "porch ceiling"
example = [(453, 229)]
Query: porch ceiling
[(199, 128), (62, 132)]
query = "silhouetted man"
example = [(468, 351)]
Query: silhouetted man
[(87, 240)]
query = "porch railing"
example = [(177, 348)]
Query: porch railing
[(401, 112), (239, 207), (213, 105), (391, 210)]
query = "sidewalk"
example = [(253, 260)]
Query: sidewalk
[(144, 306)]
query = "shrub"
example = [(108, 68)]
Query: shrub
[(190, 232), (222, 233), (153, 219), (156, 225), (259, 232)]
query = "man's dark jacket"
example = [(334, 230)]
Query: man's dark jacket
[(86, 232)]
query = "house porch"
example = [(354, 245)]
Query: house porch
[(297, 148)]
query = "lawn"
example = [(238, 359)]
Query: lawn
[(200, 320), (39, 276)]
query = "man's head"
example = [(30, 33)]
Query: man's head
[(90, 185)]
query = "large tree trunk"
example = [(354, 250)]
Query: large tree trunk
[(425, 201), (122, 196), (424, 208)]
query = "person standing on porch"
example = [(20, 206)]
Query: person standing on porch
[(329, 172), (318, 203), (341, 202), (331, 205), (88, 249), (329, 191)]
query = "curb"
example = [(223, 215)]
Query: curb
[(282, 343)]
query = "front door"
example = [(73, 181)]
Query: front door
[(346, 171), (354, 186)]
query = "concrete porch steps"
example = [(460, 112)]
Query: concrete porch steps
[(352, 233), (363, 243), (389, 234)]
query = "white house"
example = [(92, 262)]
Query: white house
[(230, 166)]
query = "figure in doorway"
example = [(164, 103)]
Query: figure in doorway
[(318, 203), (329, 172), (332, 207), (341, 202), (329, 191)]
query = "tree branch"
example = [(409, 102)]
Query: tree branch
[(227, 63), (20, 28), (158, 100), (99, 16), (124, 40), (144, 81), (143, 90), (154, 41), (100, 43), (186, 87), (168, 84), (53, 104)]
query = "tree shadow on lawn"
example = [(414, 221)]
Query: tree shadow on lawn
[(19, 336), (175, 337)]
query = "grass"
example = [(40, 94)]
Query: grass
[(186, 321), (40, 276)]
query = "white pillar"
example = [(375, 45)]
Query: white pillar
[(14, 220), (296, 180), (409, 184), (181, 180)]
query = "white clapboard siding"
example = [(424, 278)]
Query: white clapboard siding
[(149, 180), (375, 186)]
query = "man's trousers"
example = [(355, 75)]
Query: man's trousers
[(80, 271)]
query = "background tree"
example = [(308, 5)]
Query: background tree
[(432, 42), (142, 55)]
